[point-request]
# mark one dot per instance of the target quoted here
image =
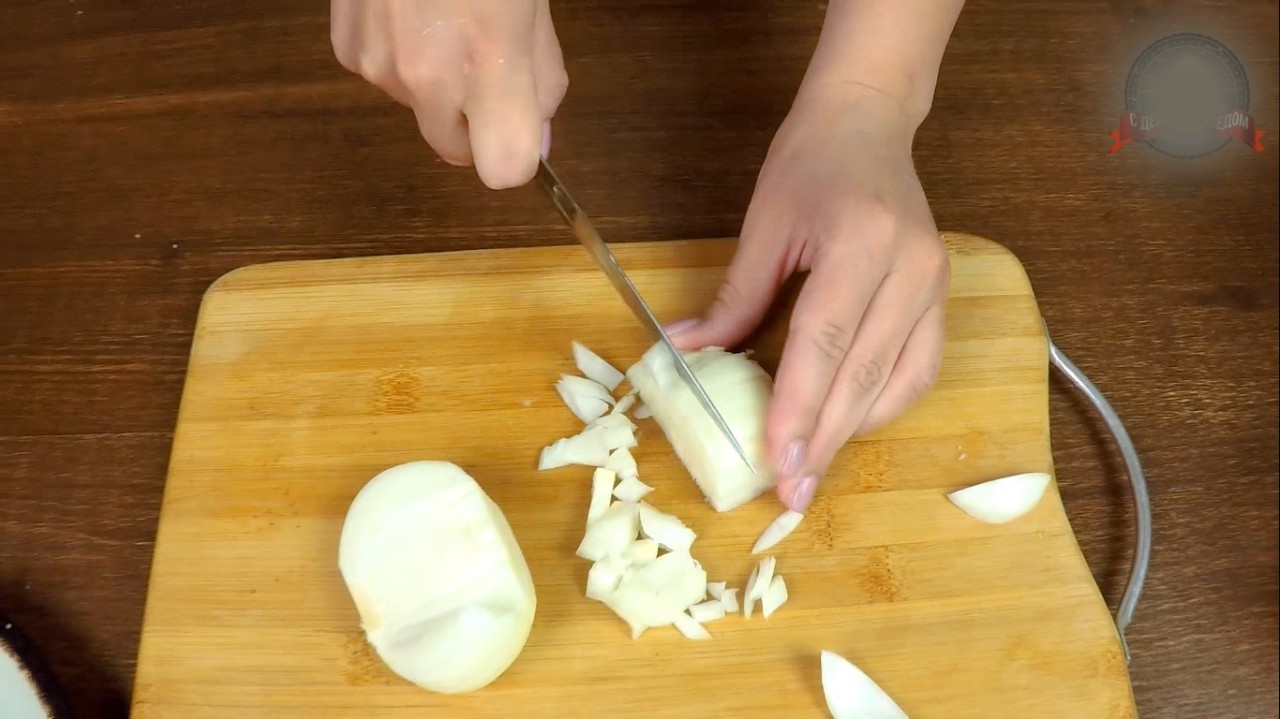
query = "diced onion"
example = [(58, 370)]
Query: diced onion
[(775, 596), (665, 529), (690, 627), (601, 491), (595, 368), (707, 611), (586, 398), (715, 589), (631, 489), (611, 533), (730, 600)]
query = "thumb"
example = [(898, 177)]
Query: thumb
[(751, 282)]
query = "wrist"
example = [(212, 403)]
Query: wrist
[(886, 49)]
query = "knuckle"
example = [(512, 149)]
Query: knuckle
[(922, 382), (830, 339), (865, 374)]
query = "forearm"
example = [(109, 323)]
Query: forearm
[(890, 47)]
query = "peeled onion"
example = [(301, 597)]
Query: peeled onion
[(851, 694), (740, 389), (1002, 500), (439, 582)]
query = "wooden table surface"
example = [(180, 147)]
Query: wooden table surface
[(146, 149)]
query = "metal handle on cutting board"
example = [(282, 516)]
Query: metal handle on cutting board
[(1137, 480)]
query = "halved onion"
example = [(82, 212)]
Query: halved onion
[(595, 367), (438, 580), (777, 531), (851, 694), (1002, 500)]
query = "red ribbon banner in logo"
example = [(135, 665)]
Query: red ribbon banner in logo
[(1238, 125)]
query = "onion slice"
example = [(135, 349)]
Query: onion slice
[(624, 404), (748, 596), (690, 627), (611, 533), (1002, 500), (586, 398), (601, 491), (777, 531), (851, 694), (621, 463), (730, 600), (775, 596), (595, 368), (666, 529), (707, 611)]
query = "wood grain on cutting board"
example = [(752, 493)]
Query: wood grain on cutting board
[(308, 378)]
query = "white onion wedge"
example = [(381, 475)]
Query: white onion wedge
[(775, 596), (621, 463), (851, 694), (665, 529), (631, 489), (730, 600), (707, 611), (601, 491), (1002, 500), (611, 533), (716, 589), (586, 398), (595, 368), (690, 627), (777, 531)]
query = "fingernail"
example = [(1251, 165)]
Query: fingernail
[(802, 494), (792, 459), (546, 139), (678, 328)]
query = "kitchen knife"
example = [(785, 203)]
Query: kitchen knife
[(587, 235)]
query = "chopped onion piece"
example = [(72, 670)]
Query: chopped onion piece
[(603, 578), (611, 533), (748, 593), (851, 694), (631, 489), (764, 579), (666, 529), (595, 368), (642, 412), (624, 404), (730, 600), (777, 531), (601, 490), (1002, 500), (641, 551), (655, 594), (690, 627), (707, 611), (775, 596), (587, 399), (621, 463), (578, 449), (716, 589)]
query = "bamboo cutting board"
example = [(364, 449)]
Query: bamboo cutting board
[(308, 378)]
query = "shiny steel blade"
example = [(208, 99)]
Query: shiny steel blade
[(587, 235)]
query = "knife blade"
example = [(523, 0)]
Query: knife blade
[(586, 234)]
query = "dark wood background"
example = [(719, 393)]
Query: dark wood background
[(147, 148)]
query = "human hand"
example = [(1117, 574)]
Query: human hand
[(837, 196), (483, 77)]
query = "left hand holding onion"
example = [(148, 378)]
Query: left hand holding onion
[(837, 197)]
